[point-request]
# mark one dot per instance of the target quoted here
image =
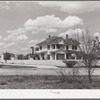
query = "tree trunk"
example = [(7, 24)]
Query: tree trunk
[(89, 75), (5, 61), (90, 78)]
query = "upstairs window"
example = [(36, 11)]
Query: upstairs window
[(74, 47), (40, 47), (48, 47), (53, 46), (58, 46)]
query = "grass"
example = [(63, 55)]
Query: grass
[(48, 82)]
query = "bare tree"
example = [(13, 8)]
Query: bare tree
[(90, 50)]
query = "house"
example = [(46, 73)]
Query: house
[(57, 48)]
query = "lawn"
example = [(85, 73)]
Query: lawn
[(48, 82)]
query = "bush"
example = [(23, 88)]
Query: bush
[(3, 83)]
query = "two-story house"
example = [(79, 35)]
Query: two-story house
[(56, 48)]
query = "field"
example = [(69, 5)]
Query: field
[(30, 77), (48, 82)]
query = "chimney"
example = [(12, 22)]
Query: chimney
[(66, 36), (49, 36)]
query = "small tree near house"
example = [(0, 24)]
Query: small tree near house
[(90, 51), (7, 56)]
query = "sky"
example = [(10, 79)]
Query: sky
[(26, 23)]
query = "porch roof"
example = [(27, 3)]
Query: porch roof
[(73, 51), (42, 52), (68, 51), (58, 51)]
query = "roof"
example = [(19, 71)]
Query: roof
[(55, 40), (71, 41)]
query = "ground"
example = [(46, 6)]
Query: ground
[(31, 77), (48, 82)]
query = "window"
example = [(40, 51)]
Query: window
[(48, 47), (66, 47), (53, 46), (58, 46), (40, 47), (74, 47)]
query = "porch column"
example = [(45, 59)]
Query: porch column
[(55, 46), (51, 57), (65, 55), (55, 56), (45, 56), (75, 56), (40, 57)]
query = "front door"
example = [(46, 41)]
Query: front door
[(60, 56), (68, 56)]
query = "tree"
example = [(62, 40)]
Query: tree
[(7, 56), (90, 51), (20, 56)]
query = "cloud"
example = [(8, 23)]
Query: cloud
[(11, 44), (17, 31), (44, 30), (71, 6), (2, 43), (50, 24), (33, 41), (15, 35), (1, 37), (8, 38), (16, 38), (22, 37), (44, 24), (72, 33), (51, 21)]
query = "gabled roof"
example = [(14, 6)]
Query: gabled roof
[(55, 39)]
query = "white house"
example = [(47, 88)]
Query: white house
[(56, 48)]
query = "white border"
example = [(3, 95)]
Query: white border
[(45, 93)]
